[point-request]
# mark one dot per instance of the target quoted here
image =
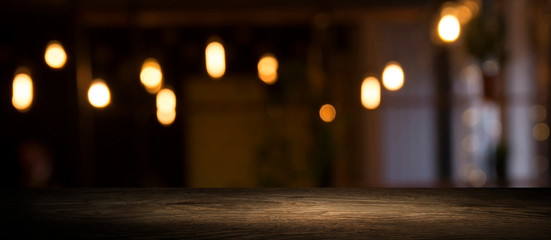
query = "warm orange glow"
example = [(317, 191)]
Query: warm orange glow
[(98, 94), (22, 92), (449, 8), (166, 100), (449, 28), (267, 69), (166, 106), (463, 11), (473, 6), (393, 76), (151, 75), (327, 113), (540, 132), (215, 59), (464, 14), (55, 55), (166, 118), (371, 93)]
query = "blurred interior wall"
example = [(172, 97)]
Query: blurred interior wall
[(399, 138), (520, 85)]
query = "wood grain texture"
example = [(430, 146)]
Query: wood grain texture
[(278, 213)]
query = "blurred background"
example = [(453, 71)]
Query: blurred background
[(302, 93)]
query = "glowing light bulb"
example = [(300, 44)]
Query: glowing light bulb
[(98, 94), (327, 113), (166, 100), (151, 75), (166, 106), (267, 69), (22, 92), (55, 55), (449, 28), (371, 93), (393, 76), (166, 118), (215, 59)]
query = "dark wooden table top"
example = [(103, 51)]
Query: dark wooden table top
[(324, 213)]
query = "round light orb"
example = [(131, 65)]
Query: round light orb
[(55, 55), (151, 75), (166, 118), (98, 94), (267, 69), (22, 97), (327, 113), (215, 59), (166, 100), (471, 117), (449, 28), (538, 113), (393, 76), (540, 132), (371, 93)]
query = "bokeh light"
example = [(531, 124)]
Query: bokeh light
[(215, 59), (151, 75), (464, 11), (98, 94), (371, 93), (477, 177), (166, 117), (471, 74), (55, 55), (538, 113), (473, 6), (470, 117), (327, 113), (490, 67), (448, 8), (166, 100), (449, 28), (464, 14), (393, 76), (166, 106), (22, 92), (267, 69), (540, 132)]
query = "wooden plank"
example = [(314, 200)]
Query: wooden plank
[(278, 213)]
